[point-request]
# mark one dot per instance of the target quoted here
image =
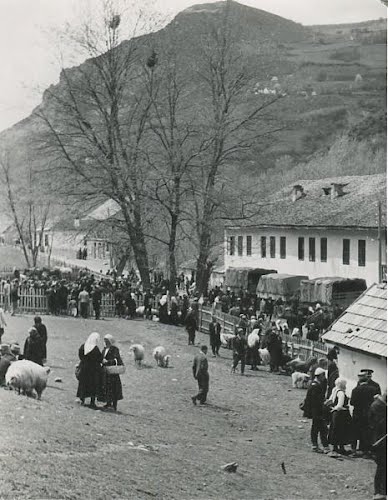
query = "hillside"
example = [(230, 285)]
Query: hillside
[(332, 79)]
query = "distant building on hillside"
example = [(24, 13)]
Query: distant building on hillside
[(319, 228), (361, 335)]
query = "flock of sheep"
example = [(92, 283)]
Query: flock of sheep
[(159, 354)]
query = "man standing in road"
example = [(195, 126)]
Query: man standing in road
[(239, 350), (313, 408), (96, 301), (378, 425), (214, 336), (14, 295), (7, 296), (201, 375), (42, 332), (83, 298), (191, 326), (361, 400)]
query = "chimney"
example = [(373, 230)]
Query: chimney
[(76, 222), (337, 190), (297, 192)]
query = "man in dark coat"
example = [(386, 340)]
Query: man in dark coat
[(371, 382), (148, 305), (96, 301), (361, 400), (191, 326), (240, 347), (377, 418), (201, 375), (313, 408), (215, 336), (275, 349), (42, 332)]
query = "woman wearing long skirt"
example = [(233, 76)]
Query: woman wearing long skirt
[(340, 432), (111, 384), (89, 381)]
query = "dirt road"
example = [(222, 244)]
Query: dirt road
[(158, 444)]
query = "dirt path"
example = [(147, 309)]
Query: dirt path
[(159, 445)]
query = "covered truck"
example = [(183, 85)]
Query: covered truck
[(244, 277), (279, 285), (331, 291)]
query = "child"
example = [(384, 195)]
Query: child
[(73, 311)]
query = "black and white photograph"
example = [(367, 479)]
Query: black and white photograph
[(193, 249)]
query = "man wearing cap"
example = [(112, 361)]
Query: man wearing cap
[(361, 400), (215, 336), (371, 382), (7, 357), (313, 408), (239, 350), (201, 375)]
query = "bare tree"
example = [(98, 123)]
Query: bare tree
[(27, 207), (94, 126), (230, 127)]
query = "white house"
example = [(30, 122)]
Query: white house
[(318, 228), (361, 335)]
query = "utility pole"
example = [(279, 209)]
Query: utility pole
[(380, 274)]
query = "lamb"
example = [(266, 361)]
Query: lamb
[(226, 339), (160, 356), (265, 356), (300, 380), (25, 376), (138, 353), (254, 338)]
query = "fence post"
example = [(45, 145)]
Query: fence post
[(292, 350), (200, 319), (312, 348)]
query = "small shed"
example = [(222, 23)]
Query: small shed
[(279, 285), (361, 335)]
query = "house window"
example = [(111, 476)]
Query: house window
[(346, 252), (323, 249), (249, 245), (282, 247), (240, 245), (312, 249), (263, 247), (272, 247), (301, 248), (231, 245), (361, 253)]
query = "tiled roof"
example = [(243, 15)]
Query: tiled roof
[(358, 207), (367, 318)]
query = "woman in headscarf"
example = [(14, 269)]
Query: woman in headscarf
[(34, 347), (89, 382), (111, 384), (174, 319), (340, 432)]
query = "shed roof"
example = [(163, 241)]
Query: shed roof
[(358, 207), (367, 320)]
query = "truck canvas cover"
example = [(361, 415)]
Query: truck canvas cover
[(330, 290), (279, 285)]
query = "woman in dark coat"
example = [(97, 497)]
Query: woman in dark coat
[(89, 381), (34, 347), (111, 384)]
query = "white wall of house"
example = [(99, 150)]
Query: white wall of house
[(351, 362), (291, 264)]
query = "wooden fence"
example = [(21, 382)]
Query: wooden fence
[(34, 301), (302, 347)]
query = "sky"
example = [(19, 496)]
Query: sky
[(29, 49)]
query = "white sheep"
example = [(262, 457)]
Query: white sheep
[(265, 356), (138, 353), (254, 338), (226, 339), (162, 359), (25, 376), (300, 380)]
